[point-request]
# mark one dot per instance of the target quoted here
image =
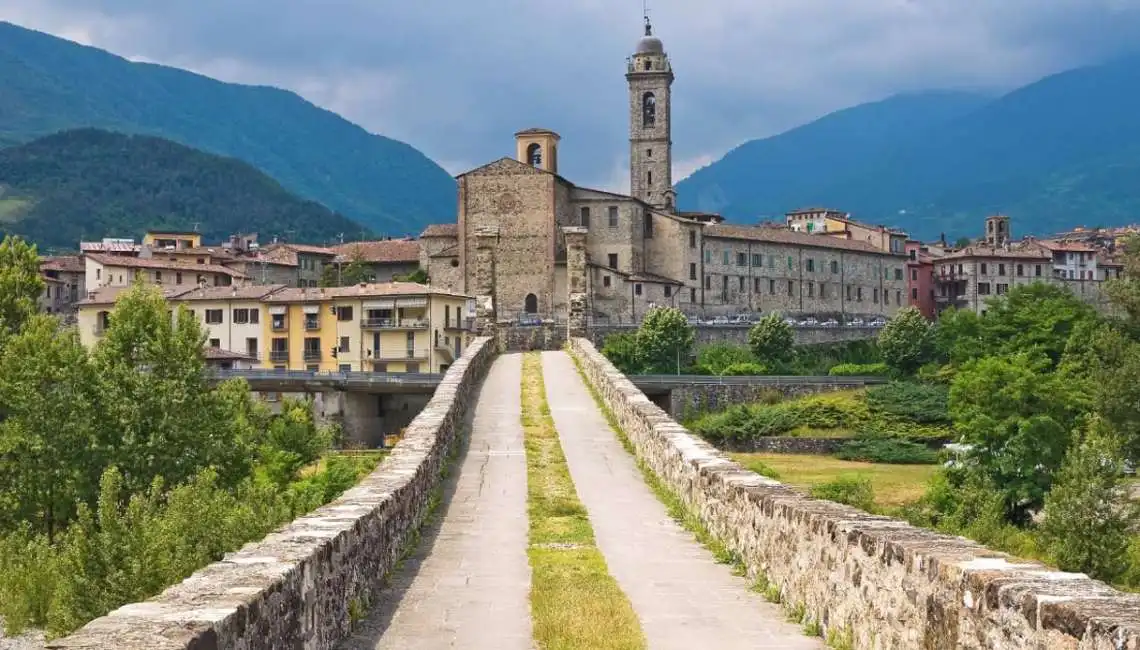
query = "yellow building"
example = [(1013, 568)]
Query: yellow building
[(172, 239), (392, 327), (93, 313)]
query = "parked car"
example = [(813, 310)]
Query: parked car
[(791, 322), (878, 322), (831, 322), (855, 322), (741, 319)]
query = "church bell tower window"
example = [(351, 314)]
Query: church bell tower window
[(534, 155), (648, 110)]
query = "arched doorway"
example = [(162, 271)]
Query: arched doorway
[(531, 304)]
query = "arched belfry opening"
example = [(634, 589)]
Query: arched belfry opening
[(531, 304), (534, 155), (538, 148), (648, 110)]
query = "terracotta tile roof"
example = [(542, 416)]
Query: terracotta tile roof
[(109, 247), (108, 295), (441, 230), (249, 292), (307, 248), (998, 253), (391, 251), (279, 256), (787, 236), (1067, 246), (141, 263), (316, 294), (67, 263), (212, 251), (218, 354)]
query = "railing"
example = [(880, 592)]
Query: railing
[(312, 355), (389, 354), (353, 377), (394, 323), (280, 327), (757, 380), (312, 326), (279, 355)]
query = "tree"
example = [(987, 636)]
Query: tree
[(419, 276), (958, 335), (346, 274), (1103, 362), (20, 283), (907, 341), (621, 350), (1125, 291), (1017, 414), (715, 358), (772, 341), (1088, 516), (664, 340)]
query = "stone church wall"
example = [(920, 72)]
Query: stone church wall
[(889, 584)]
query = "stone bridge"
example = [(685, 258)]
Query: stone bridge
[(336, 578)]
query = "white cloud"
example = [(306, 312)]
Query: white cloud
[(683, 168)]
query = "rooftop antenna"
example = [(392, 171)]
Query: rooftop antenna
[(645, 14)]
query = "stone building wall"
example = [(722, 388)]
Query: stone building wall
[(295, 588), (674, 251), (891, 585)]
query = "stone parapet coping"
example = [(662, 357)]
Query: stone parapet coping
[(294, 588), (885, 582)]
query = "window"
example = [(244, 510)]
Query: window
[(983, 288), (1001, 269), (613, 216), (648, 109), (241, 316), (530, 304), (875, 295), (724, 287), (898, 274), (1002, 289), (1020, 270), (200, 279), (791, 263), (849, 292), (213, 316), (649, 177), (811, 289), (668, 291), (251, 347), (312, 349), (822, 290), (725, 255), (708, 282), (914, 294), (215, 343), (312, 321), (959, 269), (279, 322), (708, 256), (585, 214), (648, 225), (692, 239), (343, 347), (534, 155), (810, 265), (99, 273), (158, 277), (791, 287), (772, 287), (177, 278), (692, 270), (344, 313), (913, 254), (692, 294), (757, 260), (756, 285), (605, 281), (834, 266), (859, 294), (742, 259), (648, 153), (637, 289), (914, 274), (898, 296), (740, 283), (612, 258), (254, 316)]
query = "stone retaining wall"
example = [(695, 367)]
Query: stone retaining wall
[(892, 585), (692, 400), (294, 588), (738, 334), (513, 337)]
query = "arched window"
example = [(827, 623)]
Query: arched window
[(531, 306), (648, 110), (648, 64), (534, 155)]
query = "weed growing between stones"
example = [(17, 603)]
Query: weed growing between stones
[(841, 639), (575, 602)]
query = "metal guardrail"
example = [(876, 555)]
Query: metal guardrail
[(354, 377), (753, 380)]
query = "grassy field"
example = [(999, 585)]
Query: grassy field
[(575, 603), (894, 485)]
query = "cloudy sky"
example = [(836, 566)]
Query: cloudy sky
[(456, 79)]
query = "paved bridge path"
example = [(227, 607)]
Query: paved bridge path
[(683, 598), (467, 584)]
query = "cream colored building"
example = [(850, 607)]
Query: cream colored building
[(104, 270), (231, 316), (93, 313)]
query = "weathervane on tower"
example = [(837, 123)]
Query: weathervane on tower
[(645, 14)]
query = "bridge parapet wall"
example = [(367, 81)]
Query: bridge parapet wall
[(295, 588), (889, 584)]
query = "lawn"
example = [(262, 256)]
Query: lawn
[(894, 485)]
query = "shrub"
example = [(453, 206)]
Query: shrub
[(819, 358), (851, 490), (924, 403), (716, 358), (907, 341), (744, 422), (888, 450), (771, 340), (621, 350), (750, 369), (859, 370)]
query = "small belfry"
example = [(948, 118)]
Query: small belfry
[(650, 78)]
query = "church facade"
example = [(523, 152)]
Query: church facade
[(639, 249)]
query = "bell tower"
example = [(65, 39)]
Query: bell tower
[(650, 78)]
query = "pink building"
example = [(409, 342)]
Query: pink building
[(920, 278)]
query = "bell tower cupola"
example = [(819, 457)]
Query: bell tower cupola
[(538, 148), (650, 78)]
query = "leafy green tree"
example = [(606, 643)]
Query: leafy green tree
[(1034, 317), (1089, 518), (907, 341), (1018, 415), (346, 273), (419, 276), (1125, 291), (772, 341), (664, 340), (715, 358), (20, 283), (1104, 362), (958, 335), (47, 432), (621, 350)]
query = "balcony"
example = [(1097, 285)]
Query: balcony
[(312, 325), (394, 324), (400, 354), (459, 325), (279, 355), (312, 355), (280, 326)]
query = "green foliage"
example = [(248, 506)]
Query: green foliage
[(664, 340), (89, 184), (818, 359), (1089, 519), (714, 359), (1018, 415), (893, 451), (346, 274), (384, 184), (419, 276), (771, 340), (907, 341), (750, 369), (859, 370), (744, 422), (20, 283), (921, 403), (852, 490), (621, 350)]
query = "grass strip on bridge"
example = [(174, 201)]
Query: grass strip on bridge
[(575, 603)]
